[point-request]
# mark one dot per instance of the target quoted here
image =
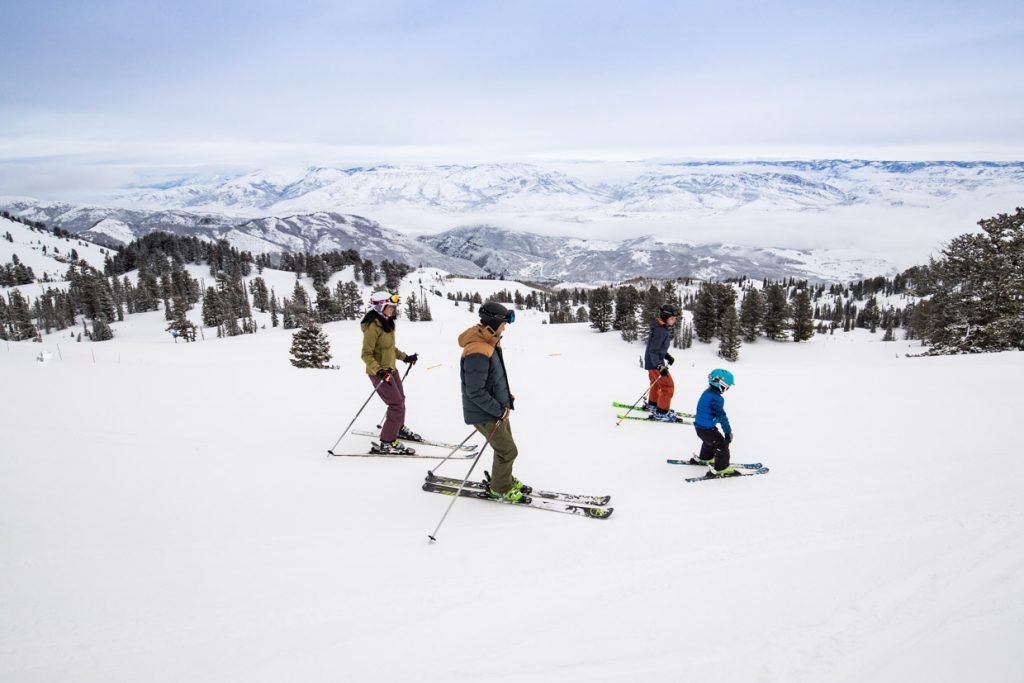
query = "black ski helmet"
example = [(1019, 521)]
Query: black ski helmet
[(668, 311), (494, 314)]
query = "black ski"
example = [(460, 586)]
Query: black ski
[(459, 456), (535, 493), (711, 477), (694, 461), (526, 501), (425, 442)]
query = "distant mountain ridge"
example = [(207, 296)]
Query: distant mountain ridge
[(489, 216), (649, 188), (470, 251), (522, 255)]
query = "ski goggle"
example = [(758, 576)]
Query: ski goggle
[(511, 317), (393, 299)]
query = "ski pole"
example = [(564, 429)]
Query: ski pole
[(453, 451), (433, 536), (381, 421), (330, 451), (635, 403)]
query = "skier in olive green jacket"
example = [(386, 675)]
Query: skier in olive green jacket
[(486, 399), (379, 353)]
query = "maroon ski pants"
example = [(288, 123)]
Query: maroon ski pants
[(392, 394)]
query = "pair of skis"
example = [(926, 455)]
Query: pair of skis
[(749, 469), (595, 507), (465, 452), (647, 416)]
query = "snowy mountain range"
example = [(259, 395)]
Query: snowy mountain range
[(523, 255), (470, 251), (643, 188), (829, 220)]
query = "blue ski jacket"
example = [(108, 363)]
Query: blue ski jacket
[(657, 345), (711, 411)]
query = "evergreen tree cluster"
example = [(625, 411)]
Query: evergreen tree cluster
[(16, 273), (38, 226), (975, 291), (158, 252)]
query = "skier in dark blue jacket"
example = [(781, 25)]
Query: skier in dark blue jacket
[(714, 450), (656, 362)]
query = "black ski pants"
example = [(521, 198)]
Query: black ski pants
[(714, 446)]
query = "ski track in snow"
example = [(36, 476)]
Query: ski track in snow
[(168, 513)]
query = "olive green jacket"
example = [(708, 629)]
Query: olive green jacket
[(379, 350)]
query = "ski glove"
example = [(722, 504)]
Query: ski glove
[(663, 369), (669, 358), (385, 375), (728, 437), (412, 358)]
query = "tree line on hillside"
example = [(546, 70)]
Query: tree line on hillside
[(101, 297)]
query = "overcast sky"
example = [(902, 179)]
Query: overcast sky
[(104, 92)]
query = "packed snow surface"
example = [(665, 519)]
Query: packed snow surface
[(168, 513)]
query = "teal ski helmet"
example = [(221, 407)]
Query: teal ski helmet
[(721, 379)]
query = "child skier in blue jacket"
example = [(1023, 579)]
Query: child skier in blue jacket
[(714, 450)]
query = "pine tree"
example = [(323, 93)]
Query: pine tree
[(310, 346), (777, 313), (803, 317), (273, 308), (653, 300), (212, 313), (300, 301), (627, 300), (601, 309), (425, 314), (180, 325), (20, 317), (751, 314), (258, 287), (729, 335), (101, 330), (412, 309), (705, 314)]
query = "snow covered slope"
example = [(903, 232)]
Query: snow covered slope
[(184, 523), (29, 244)]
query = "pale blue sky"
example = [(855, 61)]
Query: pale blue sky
[(160, 85)]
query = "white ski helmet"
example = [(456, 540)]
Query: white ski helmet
[(381, 299)]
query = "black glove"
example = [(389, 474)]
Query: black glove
[(412, 358), (728, 437), (663, 369), (385, 375), (669, 358)]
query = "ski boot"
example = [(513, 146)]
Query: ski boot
[(513, 495), (697, 461), (520, 486), (516, 484), (407, 434), (728, 471), (650, 407), (396, 447), (664, 416)]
